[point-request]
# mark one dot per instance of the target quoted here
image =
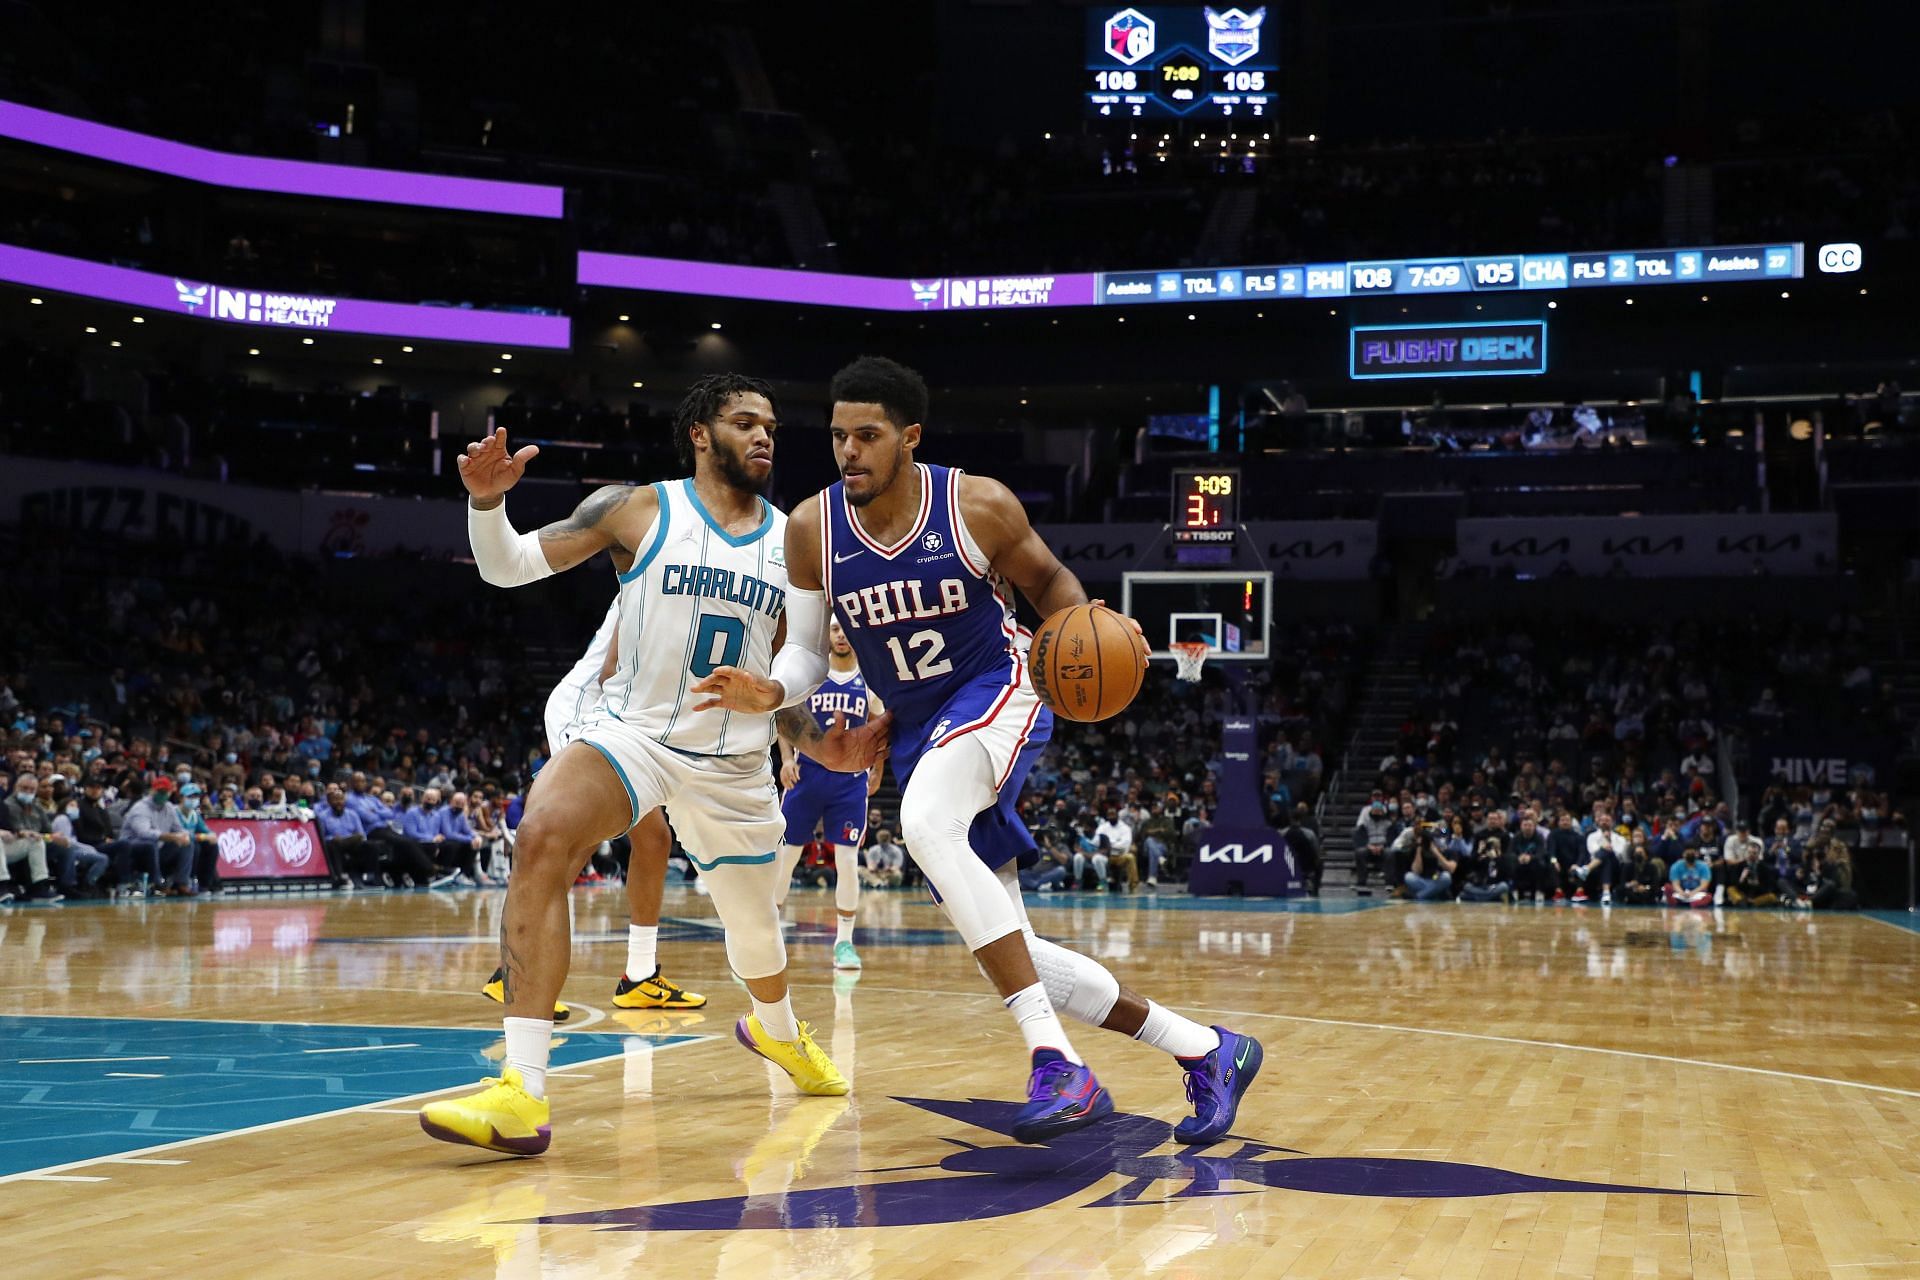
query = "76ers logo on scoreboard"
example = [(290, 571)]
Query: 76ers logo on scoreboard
[(1130, 36), (236, 847)]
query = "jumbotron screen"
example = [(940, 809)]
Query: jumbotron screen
[(1201, 62)]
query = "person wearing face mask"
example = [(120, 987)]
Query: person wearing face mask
[(459, 842), (85, 865), (24, 828), (420, 823), (99, 826), (205, 846)]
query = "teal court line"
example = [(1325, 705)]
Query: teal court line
[(75, 1090)]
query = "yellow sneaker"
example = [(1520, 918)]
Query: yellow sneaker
[(811, 1070), (496, 991), (503, 1116), (655, 992)]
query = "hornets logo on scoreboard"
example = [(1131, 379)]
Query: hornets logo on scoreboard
[(1234, 36)]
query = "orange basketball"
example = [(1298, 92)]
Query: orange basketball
[(1087, 662)]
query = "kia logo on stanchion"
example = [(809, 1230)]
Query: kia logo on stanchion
[(1838, 259)]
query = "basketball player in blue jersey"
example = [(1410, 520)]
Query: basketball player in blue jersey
[(817, 795), (703, 580), (914, 562)]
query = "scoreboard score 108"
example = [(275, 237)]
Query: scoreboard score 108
[(1202, 62)]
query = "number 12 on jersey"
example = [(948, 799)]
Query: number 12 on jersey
[(927, 662)]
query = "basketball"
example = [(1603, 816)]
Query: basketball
[(1087, 662)]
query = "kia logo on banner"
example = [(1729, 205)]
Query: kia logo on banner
[(1319, 550), (1237, 854), (1838, 259), (1705, 546)]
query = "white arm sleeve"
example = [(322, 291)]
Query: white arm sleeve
[(801, 664), (505, 558)]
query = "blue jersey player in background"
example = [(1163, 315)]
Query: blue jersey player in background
[(836, 802), (917, 564)]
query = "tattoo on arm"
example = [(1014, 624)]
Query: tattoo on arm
[(797, 725), (594, 511)]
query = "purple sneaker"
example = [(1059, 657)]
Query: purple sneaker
[(1061, 1097), (1215, 1085)]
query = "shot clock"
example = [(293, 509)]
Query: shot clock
[(1206, 506), (1200, 62)]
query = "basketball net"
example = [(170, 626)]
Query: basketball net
[(1190, 655)]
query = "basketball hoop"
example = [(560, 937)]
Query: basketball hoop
[(1190, 655)]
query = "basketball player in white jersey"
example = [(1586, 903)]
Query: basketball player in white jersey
[(914, 561), (837, 802), (703, 582), (650, 843)]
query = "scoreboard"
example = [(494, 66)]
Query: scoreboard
[(1495, 274), (1203, 62), (1206, 505)]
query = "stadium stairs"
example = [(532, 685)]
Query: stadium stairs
[(1386, 700)]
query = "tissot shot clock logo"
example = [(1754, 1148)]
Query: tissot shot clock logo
[(1130, 36), (1233, 36)]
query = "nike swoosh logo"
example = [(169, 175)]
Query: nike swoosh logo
[(839, 559), (1240, 1059)]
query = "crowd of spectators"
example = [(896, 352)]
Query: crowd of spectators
[(1584, 760)]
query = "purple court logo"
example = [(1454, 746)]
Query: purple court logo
[(1234, 36), (999, 1181), (1130, 36)]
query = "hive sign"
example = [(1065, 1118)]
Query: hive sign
[(288, 310)]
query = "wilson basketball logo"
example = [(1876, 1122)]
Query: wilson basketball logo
[(295, 847), (236, 847)]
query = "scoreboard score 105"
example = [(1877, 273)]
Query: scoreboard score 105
[(1205, 62), (1206, 506)]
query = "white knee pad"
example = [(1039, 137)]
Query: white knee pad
[(1079, 986), (846, 878), (743, 897), (949, 786)]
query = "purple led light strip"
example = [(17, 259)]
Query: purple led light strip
[(820, 288), (290, 177), (305, 313)]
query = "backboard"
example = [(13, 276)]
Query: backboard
[(1231, 611)]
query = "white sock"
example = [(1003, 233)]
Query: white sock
[(528, 1042), (1180, 1036), (1039, 1024), (643, 946), (844, 931), (777, 1020)]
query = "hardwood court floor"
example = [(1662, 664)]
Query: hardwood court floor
[(222, 1089)]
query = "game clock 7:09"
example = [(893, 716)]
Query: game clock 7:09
[(1206, 505)]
